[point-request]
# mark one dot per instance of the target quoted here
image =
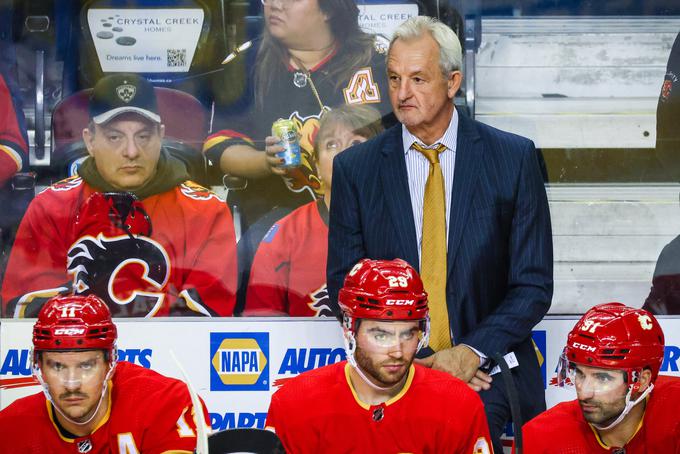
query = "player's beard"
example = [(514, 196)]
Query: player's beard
[(375, 371), (605, 412)]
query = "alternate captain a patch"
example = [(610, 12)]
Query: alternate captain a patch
[(362, 89)]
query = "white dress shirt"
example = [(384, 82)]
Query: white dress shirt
[(418, 169)]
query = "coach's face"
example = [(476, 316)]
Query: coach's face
[(75, 380), (125, 150), (421, 96)]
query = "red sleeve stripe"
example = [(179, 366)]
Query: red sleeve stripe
[(222, 136), (13, 155)]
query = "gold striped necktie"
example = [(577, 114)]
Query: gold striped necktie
[(433, 248)]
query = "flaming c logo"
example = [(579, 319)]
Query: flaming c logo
[(128, 273)]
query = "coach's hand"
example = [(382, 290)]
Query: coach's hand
[(459, 361)]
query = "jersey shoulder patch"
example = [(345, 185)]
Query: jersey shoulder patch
[(195, 191), (362, 88), (66, 184)]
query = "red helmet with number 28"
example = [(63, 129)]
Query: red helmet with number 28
[(383, 290)]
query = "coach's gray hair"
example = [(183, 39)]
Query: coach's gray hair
[(450, 52)]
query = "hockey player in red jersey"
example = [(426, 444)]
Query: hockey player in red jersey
[(131, 228), (378, 401), (612, 357), (288, 275), (90, 402)]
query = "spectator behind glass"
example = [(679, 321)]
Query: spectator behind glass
[(13, 147), (668, 115), (312, 56), (664, 297), (288, 275), (131, 228)]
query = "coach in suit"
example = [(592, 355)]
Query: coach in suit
[(462, 202)]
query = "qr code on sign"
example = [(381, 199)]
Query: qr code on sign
[(177, 57)]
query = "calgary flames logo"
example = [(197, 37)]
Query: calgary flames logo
[(128, 273), (197, 192), (66, 184), (305, 178)]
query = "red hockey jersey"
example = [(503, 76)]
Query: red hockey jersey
[(319, 411), (148, 413), (183, 263), (13, 147), (288, 275), (563, 430)]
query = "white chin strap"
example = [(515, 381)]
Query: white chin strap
[(629, 406), (350, 348)]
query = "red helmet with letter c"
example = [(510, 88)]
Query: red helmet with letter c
[(614, 336)]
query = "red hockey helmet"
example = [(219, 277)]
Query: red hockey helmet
[(74, 323), (383, 290), (614, 336)]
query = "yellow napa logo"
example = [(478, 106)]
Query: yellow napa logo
[(239, 362)]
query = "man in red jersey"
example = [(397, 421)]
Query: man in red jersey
[(91, 402), (130, 228), (378, 400), (613, 356)]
